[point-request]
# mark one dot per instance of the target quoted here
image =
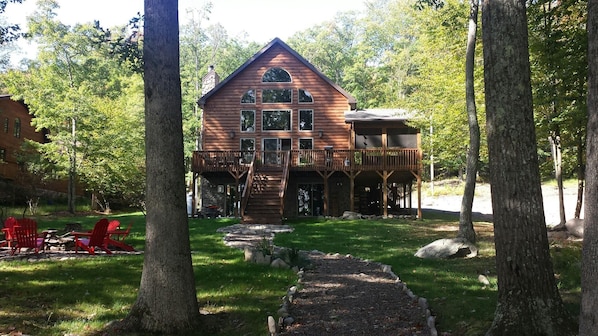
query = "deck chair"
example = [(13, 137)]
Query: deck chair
[(9, 231), (93, 239), (116, 238), (26, 236)]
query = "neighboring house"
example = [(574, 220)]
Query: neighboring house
[(15, 123), (15, 128), (280, 139)]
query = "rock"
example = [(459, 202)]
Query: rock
[(351, 215), (562, 235), (483, 279), (279, 263), (575, 227), (448, 248), (272, 328)]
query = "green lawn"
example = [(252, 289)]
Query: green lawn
[(81, 296)]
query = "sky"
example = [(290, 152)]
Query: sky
[(236, 16)]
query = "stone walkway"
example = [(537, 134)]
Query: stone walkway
[(340, 295)]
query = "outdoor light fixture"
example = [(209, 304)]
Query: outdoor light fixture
[(320, 134), (231, 134)]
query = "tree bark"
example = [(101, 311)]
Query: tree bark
[(466, 229), (588, 317), (166, 302), (528, 299)]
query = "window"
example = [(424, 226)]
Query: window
[(6, 123), (276, 120), (276, 75), (310, 199), (276, 96), (247, 149), (17, 128), (248, 97), (306, 120), (247, 121), (306, 144), (305, 96), (2, 155)]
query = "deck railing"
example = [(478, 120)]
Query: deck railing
[(407, 159)]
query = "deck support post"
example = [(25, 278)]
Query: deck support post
[(385, 175), (352, 175), (325, 175), (237, 175)]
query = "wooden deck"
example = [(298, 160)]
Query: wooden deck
[(408, 159)]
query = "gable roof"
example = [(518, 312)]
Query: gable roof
[(378, 115), (279, 42)]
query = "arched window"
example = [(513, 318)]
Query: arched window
[(248, 97), (276, 75)]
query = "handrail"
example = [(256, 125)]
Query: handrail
[(401, 159), (247, 188), (284, 181)]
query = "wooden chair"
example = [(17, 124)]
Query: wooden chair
[(9, 231), (26, 236), (95, 238), (119, 237)]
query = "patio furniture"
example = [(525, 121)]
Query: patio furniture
[(119, 237), (9, 232), (96, 238), (26, 236)]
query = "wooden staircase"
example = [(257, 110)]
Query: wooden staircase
[(263, 198), (264, 203)]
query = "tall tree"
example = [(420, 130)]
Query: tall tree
[(8, 32), (588, 317), (473, 154), (528, 299), (166, 302)]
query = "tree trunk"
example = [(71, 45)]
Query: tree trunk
[(166, 302), (528, 299), (466, 229), (588, 317), (580, 176), (557, 158)]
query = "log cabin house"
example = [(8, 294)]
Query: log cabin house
[(280, 139), (15, 123)]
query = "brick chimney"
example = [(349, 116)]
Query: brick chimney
[(209, 81)]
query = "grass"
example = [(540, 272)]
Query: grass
[(81, 296)]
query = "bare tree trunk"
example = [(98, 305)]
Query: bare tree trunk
[(580, 176), (528, 299), (588, 317), (166, 301), (557, 158), (466, 229)]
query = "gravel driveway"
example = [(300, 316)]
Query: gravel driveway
[(482, 203)]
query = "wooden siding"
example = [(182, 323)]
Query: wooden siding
[(11, 110), (222, 111)]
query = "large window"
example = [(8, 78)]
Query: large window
[(17, 128), (276, 75), (305, 96), (247, 149), (306, 144), (276, 120), (248, 97), (306, 120), (277, 96), (247, 121)]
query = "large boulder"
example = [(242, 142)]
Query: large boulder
[(448, 248), (575, 227)]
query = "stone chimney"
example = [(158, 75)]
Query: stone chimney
[(209, 81)]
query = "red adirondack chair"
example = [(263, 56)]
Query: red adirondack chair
[(119, 237), (9, 231), (95, 238), (26, 236)]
